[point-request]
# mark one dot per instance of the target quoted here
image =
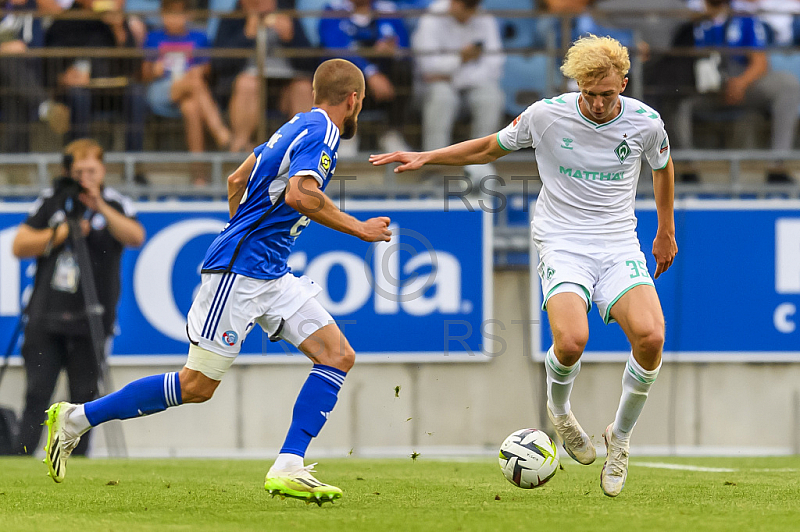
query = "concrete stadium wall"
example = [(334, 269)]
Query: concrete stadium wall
[(468, 408)]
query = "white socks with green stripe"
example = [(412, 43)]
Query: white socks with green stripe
[(636, 382), (559, 382)]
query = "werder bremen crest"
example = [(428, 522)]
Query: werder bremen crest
[(622, 151), (545, 272)]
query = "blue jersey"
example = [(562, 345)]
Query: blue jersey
[(258, 239), (734, 32)]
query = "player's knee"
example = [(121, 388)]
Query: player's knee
[(651, 340), (348, 358), (569, 348), (194, 393), (196, 387), (341, 357)]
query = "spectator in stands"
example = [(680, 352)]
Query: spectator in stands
[(23, 93), (177, 77), (459, 62), (738, 81), (289, 80), (777, 16), (94, 87), (372, 27)]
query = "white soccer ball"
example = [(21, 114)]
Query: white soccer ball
[(528, 458)]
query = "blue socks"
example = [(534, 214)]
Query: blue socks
[(312, 408), (144, 396), (158, 392)]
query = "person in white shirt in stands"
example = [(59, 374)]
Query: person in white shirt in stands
[(459, 61)]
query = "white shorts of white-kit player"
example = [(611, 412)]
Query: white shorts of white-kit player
[(229, 305), (599, 270)]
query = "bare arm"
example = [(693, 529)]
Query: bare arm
[(475, 151), (237, 183), (30, 242), (304, 196), (127, 231), (664, 246), (756, 69), (736, 88)]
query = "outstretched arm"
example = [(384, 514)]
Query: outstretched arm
[(304, 196), (664, 246), (476, 151)]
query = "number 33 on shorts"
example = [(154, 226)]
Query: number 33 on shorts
[(638, 268)]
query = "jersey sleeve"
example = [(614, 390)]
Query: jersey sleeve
[(120, 203), (312, 155), (751, 33), (656, 146), (520, 133), (38, 217)]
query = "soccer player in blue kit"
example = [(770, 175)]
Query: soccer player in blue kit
[(245, 280)]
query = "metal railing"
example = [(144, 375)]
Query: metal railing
[(44, 166), (133, 164), (548, 46)]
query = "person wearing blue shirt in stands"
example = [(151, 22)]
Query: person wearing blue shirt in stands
[(372, 26), (739, 80), (177, 76), (246, 280)]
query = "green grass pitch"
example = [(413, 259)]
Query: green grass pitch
[(399, 495)]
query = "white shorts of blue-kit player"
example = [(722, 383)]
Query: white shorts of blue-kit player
[(229, 305)]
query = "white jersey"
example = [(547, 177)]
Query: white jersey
[(589, 171)]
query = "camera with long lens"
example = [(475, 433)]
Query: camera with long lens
[(67, 189)]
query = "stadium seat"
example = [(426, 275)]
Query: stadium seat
[(524, 81), (515, 32), (311, 24)]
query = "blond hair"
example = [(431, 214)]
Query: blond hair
[(83, 149), (335, 80), (592, 58)]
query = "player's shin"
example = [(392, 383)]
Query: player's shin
[(636, 383), (312, 408), (560, 379), (138, 398)]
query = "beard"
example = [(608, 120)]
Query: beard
[(349, 127)]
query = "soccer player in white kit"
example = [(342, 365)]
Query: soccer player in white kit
[(589, 146)]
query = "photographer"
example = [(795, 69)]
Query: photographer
[(57, 333)]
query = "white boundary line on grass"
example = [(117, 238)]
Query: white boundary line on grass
[(686, 467)]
